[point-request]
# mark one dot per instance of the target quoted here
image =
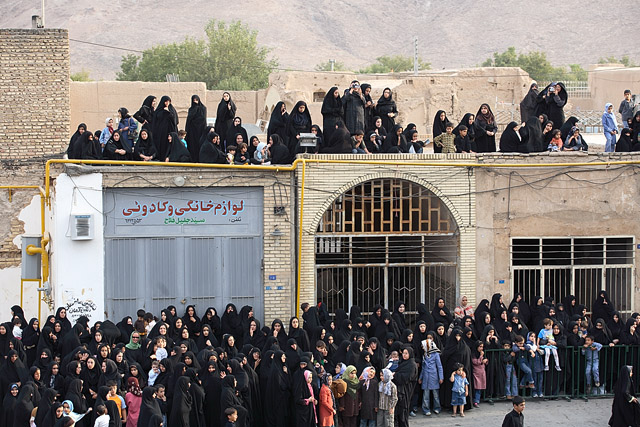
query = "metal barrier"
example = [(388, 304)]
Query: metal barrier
[(568, 383)]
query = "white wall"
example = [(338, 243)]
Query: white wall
[(77, 267), (10, 277)]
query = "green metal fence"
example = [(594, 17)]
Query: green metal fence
[(570, 382)]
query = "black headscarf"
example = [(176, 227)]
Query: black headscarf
[(278, 121), (177, 152), (164, 122), (566, 127), (224, 119), (625, 411)]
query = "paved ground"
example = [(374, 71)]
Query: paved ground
[(595, 412)]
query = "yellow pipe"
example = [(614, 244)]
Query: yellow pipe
[(304, 169), (43, 242)]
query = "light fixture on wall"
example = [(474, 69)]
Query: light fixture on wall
[(277, 233), (178, 181)]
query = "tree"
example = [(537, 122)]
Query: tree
[(326, 66), (229, 58), (80, 76), (396, 63), (625, 60), (536, 65)]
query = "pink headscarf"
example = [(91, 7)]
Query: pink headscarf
[(307, 375)]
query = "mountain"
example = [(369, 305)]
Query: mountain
[(302, 34)]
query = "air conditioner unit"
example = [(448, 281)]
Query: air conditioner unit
[(81, 227)]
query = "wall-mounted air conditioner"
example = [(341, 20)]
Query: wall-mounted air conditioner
[(81, 227)]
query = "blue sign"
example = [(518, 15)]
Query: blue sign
[(501, 282), (268, 288), (272, 277)]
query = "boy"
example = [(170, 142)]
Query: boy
[(103, 417), (546, 341), (154, 372), (520, 349), (182, 136), (232, 416), (462, 142), (446, 140), (231, 154), (357, 143), (508, 359), (431, 376), (590, 351), (161, 398), (241, 157), (139, 324), (388, 399), (460, 389), (627, 107), (394, 359), (537, 366), (119, 401), (149, 322)]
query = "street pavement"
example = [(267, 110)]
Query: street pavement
[(576, 413)]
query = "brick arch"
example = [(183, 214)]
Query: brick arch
[(370, 177)]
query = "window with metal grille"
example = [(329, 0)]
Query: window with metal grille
[(581, 266), (383, 241)]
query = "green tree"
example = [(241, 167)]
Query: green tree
[(229, 58), (536, 65), (625, 60), (396, 63), (81, 76), (326, 66)]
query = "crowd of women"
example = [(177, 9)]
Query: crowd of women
[(326, 369), (352, 122)]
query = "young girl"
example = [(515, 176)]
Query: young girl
[(556, 142), (479, 373), (459, 390), (388, 398), (369, 402), (327, 404)]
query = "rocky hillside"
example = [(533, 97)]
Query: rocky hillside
[(302, 34)]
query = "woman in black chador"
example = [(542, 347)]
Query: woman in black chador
[(224, 119), (625, 410), (181, 405), (332, 112), (165, 121), (195, 127)]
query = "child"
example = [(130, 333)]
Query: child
[(139, 325), (446, 140), (327, 404), (460, 389), (590, 351), (431, 376), (103, 417), (370, 398), (462, 141), (17, 328), (393, 361), (546, 341), (154, 372), (232, 416), (388, 399), (537, 365), (520, 349), (161, 398), (479, 372), (241, 156), (119, 401), (556, 143), (357, 143), (231, 154), (182, 136), (508, 359)]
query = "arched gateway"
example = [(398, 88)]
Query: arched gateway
[(383, 241)]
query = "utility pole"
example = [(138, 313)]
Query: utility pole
[(415, 55), (43, 25), (333, 63)]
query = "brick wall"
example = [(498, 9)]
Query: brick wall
[(325, 182), (34, 92)]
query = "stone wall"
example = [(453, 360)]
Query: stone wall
[(34, 92)]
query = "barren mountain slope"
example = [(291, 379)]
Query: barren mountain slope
[(302, 34)]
